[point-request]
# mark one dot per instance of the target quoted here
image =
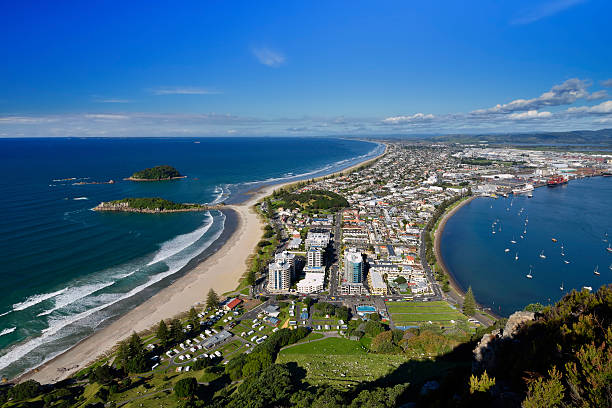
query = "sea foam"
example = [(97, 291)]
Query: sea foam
[(181, 242), (36, 299), (7, 331), (56, 325)]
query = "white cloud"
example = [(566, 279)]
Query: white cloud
[(181, 90), (113, 101), (544, 10), (602, 108), (603, 94), (532, 114), (563, 94), (106, 116), (607, 83), (269, 57), (417, 117)]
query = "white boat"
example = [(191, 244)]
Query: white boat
[(587, 288), (542, 255), (596, 271), (529, 275), (566, 261), (513, 241), (527, 188), (516, 257), (561, 287), (507, 250)]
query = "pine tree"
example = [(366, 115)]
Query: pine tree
[(193, 318), (212, 300), (162, 333), (469, 303)]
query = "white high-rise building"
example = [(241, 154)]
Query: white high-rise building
[(288, 257), (279, 275), (314, 257)]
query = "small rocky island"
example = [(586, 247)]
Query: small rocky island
[(157, 173), (153, 205)]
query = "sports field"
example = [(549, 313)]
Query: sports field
[(417, 313)]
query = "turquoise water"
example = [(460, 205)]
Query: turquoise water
[(577, 215), (67, 270)]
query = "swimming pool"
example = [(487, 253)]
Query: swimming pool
[(366, 309)]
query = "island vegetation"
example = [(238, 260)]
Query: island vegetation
[(149, 205), (308, 201), (157, 173)]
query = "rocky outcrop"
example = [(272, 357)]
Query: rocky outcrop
[(485, 351)]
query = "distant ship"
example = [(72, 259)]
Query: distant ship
[(529, 275), (596, 271), (542, 255), (527, 188), (556, 181), (561, 287)]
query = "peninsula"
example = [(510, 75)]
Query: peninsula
[(151, 205), (157, 173)]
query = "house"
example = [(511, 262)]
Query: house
[(232, 304)]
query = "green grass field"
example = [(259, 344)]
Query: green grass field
[(339, 362), (330, 346), (416, 313)]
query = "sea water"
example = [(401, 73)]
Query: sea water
[(67, 270), (576, 215)]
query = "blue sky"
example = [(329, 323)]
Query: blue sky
[(110, 68)]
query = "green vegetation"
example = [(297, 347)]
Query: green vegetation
[(308, 201), (186, 387), (153, 204), (212, 299), (164, 172), (418, 313), (562, 358), (329, 346), (469, 303)]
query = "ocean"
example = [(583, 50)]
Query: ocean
[(67, 270), (577, 215)]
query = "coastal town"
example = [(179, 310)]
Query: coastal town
[(348, 267)]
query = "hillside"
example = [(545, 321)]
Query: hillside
[(576, 137), (157, 173), (313, 200), (559, 356)]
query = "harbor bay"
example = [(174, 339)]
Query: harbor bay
[(560, 237)]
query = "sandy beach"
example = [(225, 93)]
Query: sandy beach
[(456, 291), (221, 272)]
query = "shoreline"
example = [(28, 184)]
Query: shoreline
[(455, 287), (221, 270)]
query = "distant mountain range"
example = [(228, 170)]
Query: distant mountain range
[(602, 137)]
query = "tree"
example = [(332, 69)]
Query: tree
[(162, 334), (186, 387), (547, 393), (193, 318), (400, 280), (212, 299), (176, 330), (469, 303), (25, 390)]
